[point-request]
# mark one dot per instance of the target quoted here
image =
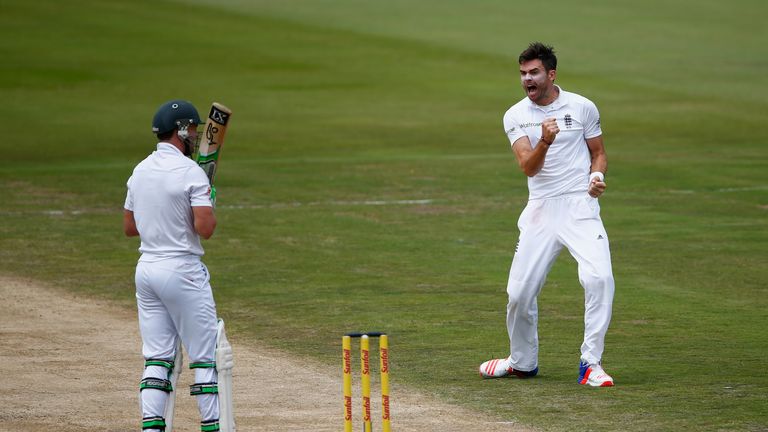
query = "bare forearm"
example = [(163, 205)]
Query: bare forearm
[(598, 166), (205, 228), (599, 163), (204, 221), (532, 162), (129, 224), (532, 159)]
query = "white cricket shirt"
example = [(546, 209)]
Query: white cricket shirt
[(161, 193), (567, 163)]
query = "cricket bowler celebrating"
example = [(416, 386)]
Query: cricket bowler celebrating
[(558, 143), (168, 205)]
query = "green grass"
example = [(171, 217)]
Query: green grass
[(339, 104)]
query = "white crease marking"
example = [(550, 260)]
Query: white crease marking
[(330, 203)]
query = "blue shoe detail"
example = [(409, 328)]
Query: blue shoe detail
[(526, 374), (583, 367)]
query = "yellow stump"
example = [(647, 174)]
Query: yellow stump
[(365, 382), (346, 367), (384, 364)]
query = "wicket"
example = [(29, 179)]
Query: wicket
[(365, 379)]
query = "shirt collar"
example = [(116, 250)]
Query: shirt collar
[(558, 103), (166, 147)]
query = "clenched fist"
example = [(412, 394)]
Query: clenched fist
[(549, 130), (596, 187)]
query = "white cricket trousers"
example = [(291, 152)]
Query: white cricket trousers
[(546, 225), (175, 300)]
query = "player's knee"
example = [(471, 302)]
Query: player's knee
[(599, 284), (513, 299), (514, 292), (604, 279), (520, 293)]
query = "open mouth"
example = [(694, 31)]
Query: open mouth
[(530, 89)]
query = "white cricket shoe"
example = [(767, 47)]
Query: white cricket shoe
[(498, 368), (594, 375)]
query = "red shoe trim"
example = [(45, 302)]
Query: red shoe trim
[(586, 376), (488, 367), (492, 367)]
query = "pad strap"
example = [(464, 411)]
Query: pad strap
[(153, 423), (209, 426), (168, 364), (202, 365), (156, 384), (204, 388)]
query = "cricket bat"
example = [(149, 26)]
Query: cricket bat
[(214, 130)]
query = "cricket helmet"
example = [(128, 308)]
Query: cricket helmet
[(173, 114)]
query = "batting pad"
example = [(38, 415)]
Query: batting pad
[(174, 378), (224, 364)]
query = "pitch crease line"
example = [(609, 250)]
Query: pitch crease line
[(331, 203)]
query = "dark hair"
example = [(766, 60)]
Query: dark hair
[(537, 50), (166, 135)]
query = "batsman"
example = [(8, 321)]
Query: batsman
[(169, 206)]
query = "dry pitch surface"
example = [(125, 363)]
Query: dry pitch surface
[(73, 364)]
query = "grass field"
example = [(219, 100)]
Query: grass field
[(366, 183)]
